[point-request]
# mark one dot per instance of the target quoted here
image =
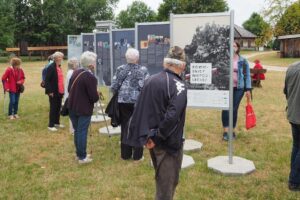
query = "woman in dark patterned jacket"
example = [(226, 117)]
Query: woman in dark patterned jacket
[(128, 81)]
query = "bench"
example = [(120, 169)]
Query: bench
[(44, 50), (13, 50), (257, 72)]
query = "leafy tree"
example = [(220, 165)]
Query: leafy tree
[(137, 12), (190, 6), (289, 23), (259, 27), (7, 24)]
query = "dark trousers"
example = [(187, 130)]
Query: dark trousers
[(54, 113), (127, 151), (13, 103), (237, 97), (167, 167), (295, 157), (81, 126)]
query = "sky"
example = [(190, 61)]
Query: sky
[(242, 8)]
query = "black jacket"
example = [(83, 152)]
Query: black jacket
[(159, 113), (51, 80), (84, 93)]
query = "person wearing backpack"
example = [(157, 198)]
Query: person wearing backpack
[(44, 71), (13, 79), (54, 88)]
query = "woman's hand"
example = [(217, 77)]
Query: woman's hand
[(248, 95)]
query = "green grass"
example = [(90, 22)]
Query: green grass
[(37, 164), (272, 59)]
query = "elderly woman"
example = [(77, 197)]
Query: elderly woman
[(73, 64), (82, 96), (54, 88), (128, 81)]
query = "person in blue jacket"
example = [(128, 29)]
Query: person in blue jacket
[(241, 85)]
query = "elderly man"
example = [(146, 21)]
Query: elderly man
[(128, 82), (158, 122), (292, 92), (82, 96), (54, 88)]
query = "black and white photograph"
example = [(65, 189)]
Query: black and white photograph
[(74, 46)]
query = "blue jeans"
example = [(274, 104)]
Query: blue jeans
[(81, 125), (237, 97), (13, 103), (295, 157)]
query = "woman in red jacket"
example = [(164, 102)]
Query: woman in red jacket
[(12, 79), (258, 66)]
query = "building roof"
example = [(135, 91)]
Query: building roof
[(288, 36), (240, 32)]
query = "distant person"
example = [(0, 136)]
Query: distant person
[(13, 79), (158, 122), (255, 76), (241, 85), (129, 81), (82, 96), (54, 88), (44, 71), (292, 93), (73, 65)]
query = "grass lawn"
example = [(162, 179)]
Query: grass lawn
[(37, 164), (273, 60)]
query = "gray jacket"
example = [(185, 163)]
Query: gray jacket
[(292, 93)]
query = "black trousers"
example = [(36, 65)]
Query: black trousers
[(127, 152), (55, 106), (167, 167)]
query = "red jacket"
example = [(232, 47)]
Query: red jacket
[(11, 78), (261, 76)]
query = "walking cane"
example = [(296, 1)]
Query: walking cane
[(102, 98)]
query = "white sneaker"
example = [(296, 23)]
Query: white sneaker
[(11, 117), (17, 116), (85, 161), (140, 160), (53, 129), (59, 125), (87, 156)]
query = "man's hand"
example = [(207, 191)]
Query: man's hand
[(150, 144), (51, 95)]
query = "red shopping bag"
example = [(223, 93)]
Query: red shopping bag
[(250, 116)]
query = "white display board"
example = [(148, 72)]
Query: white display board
[(74, 46), (206, 41)]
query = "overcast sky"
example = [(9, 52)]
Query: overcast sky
[(242, 8)]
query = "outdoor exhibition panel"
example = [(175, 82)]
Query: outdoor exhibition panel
[(88, 42), (153, 43), (103, 58), (74, 46), (206, 41), (122, 39)]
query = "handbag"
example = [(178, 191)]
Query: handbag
[(65, 110), (112, 109), (20, 87), (250, 116)]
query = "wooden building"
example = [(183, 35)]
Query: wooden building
[(290, 46), (245, 38)]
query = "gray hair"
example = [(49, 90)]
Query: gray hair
[(132, 55), (57, 54), (73, 63), (88, 58), (174, 62)]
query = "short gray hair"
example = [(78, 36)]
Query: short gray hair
[(88, 58), (73, 63), (57, 54), (132, 55)]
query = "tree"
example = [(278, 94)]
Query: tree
[(274, 9), (259, 27), (190, 6), (136, 12), (7, 24), (289, 23)]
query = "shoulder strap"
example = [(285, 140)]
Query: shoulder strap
[(168, 85), (76, 80)]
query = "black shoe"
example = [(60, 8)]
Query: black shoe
[(234, 136), (294, 187), (225, 136)]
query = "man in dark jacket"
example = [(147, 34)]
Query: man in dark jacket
[(292, 92), (158, 121), (82, 96), (54, 88)]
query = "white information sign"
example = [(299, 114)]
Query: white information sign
[(201, 73)]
